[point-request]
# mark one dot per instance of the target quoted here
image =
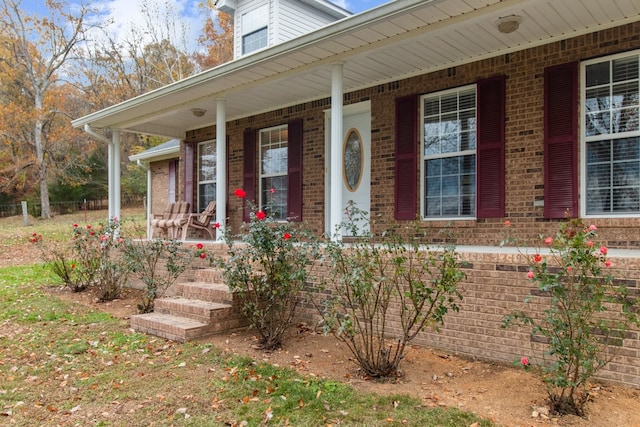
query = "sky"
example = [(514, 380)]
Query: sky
[(123, 14)]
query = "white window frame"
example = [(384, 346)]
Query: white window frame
[(214, 179), (584, 139), (423, 157), (261, 176)]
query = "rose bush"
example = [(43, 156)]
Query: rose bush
[(586, 317), (268, 265)]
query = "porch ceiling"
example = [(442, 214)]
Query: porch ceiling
[(394, 41)]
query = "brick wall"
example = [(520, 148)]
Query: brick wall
[(159, 186)]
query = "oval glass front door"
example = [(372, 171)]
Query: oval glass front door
[(352, 160)]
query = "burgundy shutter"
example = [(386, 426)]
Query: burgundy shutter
[(189, 170), (249, 170), (294, 166), (490, 148), (406, 150), (228, 169), (561, 140)]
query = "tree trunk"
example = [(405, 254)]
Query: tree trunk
[(41, 159)]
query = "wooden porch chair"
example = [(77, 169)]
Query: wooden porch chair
[(173, 217), (201, 221)]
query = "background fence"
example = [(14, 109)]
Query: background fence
[(60, 208)]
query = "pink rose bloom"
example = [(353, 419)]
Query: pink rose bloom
[(603, 250), (524, 361), (592, 227), (272, 190), (507, 223), (589, 243), (548, 240), (607, 263), (261, 215), (530, 274)]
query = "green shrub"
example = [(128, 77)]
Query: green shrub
[(379, 279)]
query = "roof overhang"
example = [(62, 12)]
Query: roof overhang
[(401, 39), (167, 150)]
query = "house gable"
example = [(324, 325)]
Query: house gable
[(279, 20)]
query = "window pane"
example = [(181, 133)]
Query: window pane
[(206, 194), (598, 74), (207, 162), (612, 97), (274, 197), (625, 69), (613, 176), (254, 41), (626, 200)]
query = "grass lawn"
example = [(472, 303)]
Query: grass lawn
[(64, 364)]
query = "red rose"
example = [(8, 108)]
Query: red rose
[(240, 193), (260, 215)]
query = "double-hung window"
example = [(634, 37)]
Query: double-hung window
[(449, 154), (273, 188), (207, 173), (255, 29), (611, 134)]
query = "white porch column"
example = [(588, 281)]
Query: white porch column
[(110, 189), (221, 166), (114, 186), (335, 216)]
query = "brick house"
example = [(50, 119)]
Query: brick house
[(461, 114)]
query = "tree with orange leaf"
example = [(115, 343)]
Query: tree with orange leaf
[(37, 50)]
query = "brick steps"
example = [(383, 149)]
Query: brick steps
[(198, 309)]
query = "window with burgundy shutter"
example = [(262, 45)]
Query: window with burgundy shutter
[(560, 141), (278, 173), (611, 123)]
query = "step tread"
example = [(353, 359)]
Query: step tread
[(207, 285), (196, 303), (169, 319)]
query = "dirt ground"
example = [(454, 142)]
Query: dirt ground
[(502, 393)]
